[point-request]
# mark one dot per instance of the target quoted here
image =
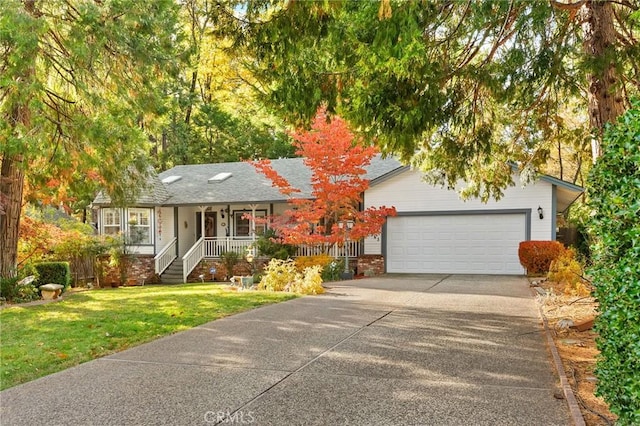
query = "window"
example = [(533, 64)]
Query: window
[(139, 221), (243, 225), (111, 221)]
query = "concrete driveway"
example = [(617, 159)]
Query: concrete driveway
[(392, 350)]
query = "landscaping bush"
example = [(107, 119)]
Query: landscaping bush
[(330, 266), (229, 259), (283, 275), (278, 274), (269, 247), (8, 288), (614, 194), (567, 270), (12, 291), (536, 256), (321, 260), (332, 271), (309, 282), (53, 272)]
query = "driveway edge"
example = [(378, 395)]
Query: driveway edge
[(574, 408)]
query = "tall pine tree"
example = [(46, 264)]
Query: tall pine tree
[(76, 80)]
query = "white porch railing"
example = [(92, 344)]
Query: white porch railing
[(352, 248), (166, 256), (214, 247), (191, 259)]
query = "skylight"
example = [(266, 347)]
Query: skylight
[(220, 177), (170, 179)]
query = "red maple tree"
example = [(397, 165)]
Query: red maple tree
[(337, 160)]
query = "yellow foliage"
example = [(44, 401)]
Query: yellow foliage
[(278, 274), (282, 275), (321, 260), (567, 270), (311, 282)]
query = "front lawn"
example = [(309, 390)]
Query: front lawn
[(40, 340)]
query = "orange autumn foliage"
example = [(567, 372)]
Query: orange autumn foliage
[(338, 161)]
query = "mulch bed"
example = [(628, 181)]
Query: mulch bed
[(569, 317)]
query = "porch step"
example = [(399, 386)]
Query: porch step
[(173, 274)]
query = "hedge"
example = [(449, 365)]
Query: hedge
[(53, 272), (614, 196), (536, 256)]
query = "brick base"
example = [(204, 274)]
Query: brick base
[(141, 270), (371, 264)]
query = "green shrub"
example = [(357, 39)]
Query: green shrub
[(8, 288), (12, 291), (536, 256), (614, 197), (229, 259), (332, 271), (269, 247), (53, 272)]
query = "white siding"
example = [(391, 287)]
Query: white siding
[(186, 229), (164, 227), (407, 192)]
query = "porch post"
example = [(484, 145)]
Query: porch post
[(202, 209), (253, 222)]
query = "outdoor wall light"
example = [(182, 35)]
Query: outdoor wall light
[(540, 212)]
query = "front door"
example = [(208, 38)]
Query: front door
[(210, 224)]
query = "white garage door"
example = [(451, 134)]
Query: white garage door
[(461, 244)]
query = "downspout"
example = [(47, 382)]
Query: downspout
[(175, 229), (554, 207)]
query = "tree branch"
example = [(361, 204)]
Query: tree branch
[(573, 7)]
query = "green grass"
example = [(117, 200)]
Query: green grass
[(40, 340)]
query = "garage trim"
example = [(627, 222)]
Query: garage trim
[(526, 212)]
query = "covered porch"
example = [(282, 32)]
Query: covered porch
[(206, 232)]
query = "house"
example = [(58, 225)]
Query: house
[(192, 213)]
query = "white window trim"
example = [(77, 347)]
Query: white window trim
[(117, 213), (259, 213), (124, 226), (138, 211)]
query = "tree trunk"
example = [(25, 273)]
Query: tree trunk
[(11, 185), (606, 100)]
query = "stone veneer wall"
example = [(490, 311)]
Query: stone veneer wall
[(141, 271), (371, 262)]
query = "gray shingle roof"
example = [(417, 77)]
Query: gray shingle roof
[(245, 185), (153, 194)]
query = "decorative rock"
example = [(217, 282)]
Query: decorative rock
[(565, 323), (51, 291), (541, 291), (571, 342), (584, 325), (27, 280)]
